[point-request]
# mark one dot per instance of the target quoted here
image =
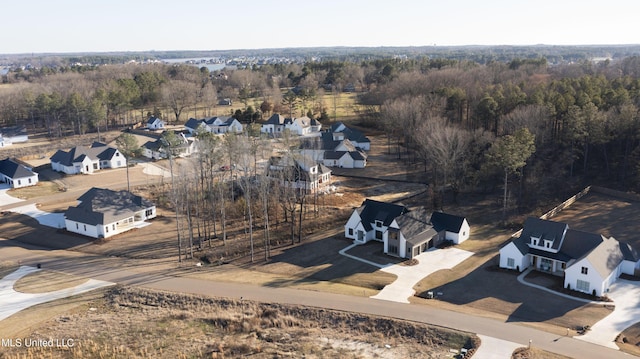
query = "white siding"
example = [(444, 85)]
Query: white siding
[(81, 228), (574, 273), (352, 223), (24, 181), (511, 251)]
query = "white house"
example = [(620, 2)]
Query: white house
[(404, 233), (102, 213), (302, 173), (16, 174), (300, 126), (589, 262), (456, 228), (274, 125), (217, 125), (333, 152), (11, 135), (154, 123), (87, 160), (357, 138), (155, 149)]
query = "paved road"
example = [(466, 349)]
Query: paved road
[(157, 276)]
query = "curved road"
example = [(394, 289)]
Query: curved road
[(158, 276)]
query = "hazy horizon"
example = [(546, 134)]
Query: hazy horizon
[(70, 26)]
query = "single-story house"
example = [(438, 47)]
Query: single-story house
[(102, 213), (11, 135), (16, 174), (589, 262), (154, 123), (404, 233), (86, 160)]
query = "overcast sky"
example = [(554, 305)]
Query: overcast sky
[(37, 26)]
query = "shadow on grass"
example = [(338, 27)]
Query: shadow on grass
[(320, 261)]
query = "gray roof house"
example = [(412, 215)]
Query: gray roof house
[(589, 262), (334, 151), (82, 159), (17, 175), (404, 233), (103, 213)]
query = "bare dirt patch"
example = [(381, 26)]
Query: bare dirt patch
[(46, 281), (136, 323)]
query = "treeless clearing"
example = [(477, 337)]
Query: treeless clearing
[(46, 281), (134, 323)]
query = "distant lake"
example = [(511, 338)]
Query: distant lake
[(199, 62)]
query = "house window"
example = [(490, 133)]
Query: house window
[(77, 227), (113, 227), (106, 229), (351, 231), (534, 241), (511, 262), (379, 235), (378, 223), (582, 285), (19, 182), (393, 235), (393, 249), (148, 212), (584, 270), (29, 180), (85, 227), (547, 244)]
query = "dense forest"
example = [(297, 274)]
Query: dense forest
[(526, 126)]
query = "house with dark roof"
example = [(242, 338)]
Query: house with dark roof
[(333, 151), (356, 137), (17, 175), (403, 232), (274, 125), (589, 262), (102, 213), (155, 149), (86, 160), (301, 173), (154, 123)]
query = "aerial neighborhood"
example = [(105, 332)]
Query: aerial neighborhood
[(499, 191)]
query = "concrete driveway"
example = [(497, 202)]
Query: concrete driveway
[(6, 199), (626, 296), (12, 301), (54, 220), (408, 276)]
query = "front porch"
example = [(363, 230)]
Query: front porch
[(547, 265)]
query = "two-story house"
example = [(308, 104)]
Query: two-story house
[(301, 173), (404, 233)]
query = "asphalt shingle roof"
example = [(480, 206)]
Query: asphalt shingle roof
[(12, 169), (102, 206)]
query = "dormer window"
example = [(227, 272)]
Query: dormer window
[(547, 244), (378, 223), (534, 241)]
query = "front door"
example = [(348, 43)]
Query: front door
[(360, 236)]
